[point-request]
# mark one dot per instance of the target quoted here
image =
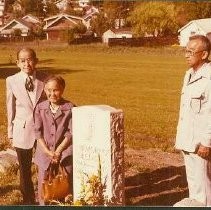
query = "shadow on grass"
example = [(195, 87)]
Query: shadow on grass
[(46, 61), (10, 69), (161, 187)]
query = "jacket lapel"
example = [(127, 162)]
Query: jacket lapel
[(39, 92), (203, 72)]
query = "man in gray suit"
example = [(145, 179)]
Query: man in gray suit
[(24, 90), (194, 126)]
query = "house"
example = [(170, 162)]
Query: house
[(31, 19), (117, 33), (200, 26), (57, 25), (119, 23), (90, 12), (25, 25), (62, 5), (83, 3)]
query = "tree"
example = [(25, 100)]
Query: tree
[(8, 5), (148, 17), (32, 6), (39, 33), (75, 32), (51, 8), (192, 10), (79, 29), (99, 24), (116, 10)]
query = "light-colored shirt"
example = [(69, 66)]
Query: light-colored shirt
[(32, 94)]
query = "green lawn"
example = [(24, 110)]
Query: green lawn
[(143, 82)]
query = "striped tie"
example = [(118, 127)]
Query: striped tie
[(29, 84)]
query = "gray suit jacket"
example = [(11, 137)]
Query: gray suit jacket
[(20, 109)]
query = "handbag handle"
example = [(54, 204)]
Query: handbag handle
[(62, 170), (55, 170), (51, 172)]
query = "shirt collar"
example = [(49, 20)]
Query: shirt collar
[(25, 75), (203, 71), (64, 105)]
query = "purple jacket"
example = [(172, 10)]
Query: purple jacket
[(52, 129)]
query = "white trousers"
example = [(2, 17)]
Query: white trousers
[(198, 172)]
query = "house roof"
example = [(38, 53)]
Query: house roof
[(63, 15), (20, 21), (68, 17), (92, 11), (203, 24), (31, 18)]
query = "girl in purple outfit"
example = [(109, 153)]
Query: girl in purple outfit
[(53, 130)]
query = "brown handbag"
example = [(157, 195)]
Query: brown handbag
[(57, 184)]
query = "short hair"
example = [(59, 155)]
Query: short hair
[(27, 49), (60, 81), (205, 42)]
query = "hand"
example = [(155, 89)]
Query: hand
[(50, 153), (58, 152), (203, 152), (56, 157)]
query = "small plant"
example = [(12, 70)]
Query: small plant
[(92, 190), (68, 201)]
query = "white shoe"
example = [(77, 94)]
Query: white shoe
[(188, 202)]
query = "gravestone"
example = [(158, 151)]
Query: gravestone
[(98, 151)]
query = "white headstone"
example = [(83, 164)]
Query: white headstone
[(98, 145)]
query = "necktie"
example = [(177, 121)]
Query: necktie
[(29, 84)]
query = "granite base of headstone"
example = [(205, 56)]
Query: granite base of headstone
[(98, 155)]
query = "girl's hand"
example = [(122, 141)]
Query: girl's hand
[(50, 153), (56, 157)]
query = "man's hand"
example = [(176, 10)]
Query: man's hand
[(203, 152)]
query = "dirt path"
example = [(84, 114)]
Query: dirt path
[(154, 178)]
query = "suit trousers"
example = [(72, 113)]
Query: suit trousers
[(198, 172), (26, 184)]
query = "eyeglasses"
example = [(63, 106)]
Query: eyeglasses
[(192, 53), (23, 60)]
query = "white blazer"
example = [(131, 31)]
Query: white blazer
[(20, 110), (194, 126)]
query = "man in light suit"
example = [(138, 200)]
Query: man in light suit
[(194, 126), (24, 90)]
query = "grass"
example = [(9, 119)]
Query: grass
[(10, 193), (143, 82), (9, 181)]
